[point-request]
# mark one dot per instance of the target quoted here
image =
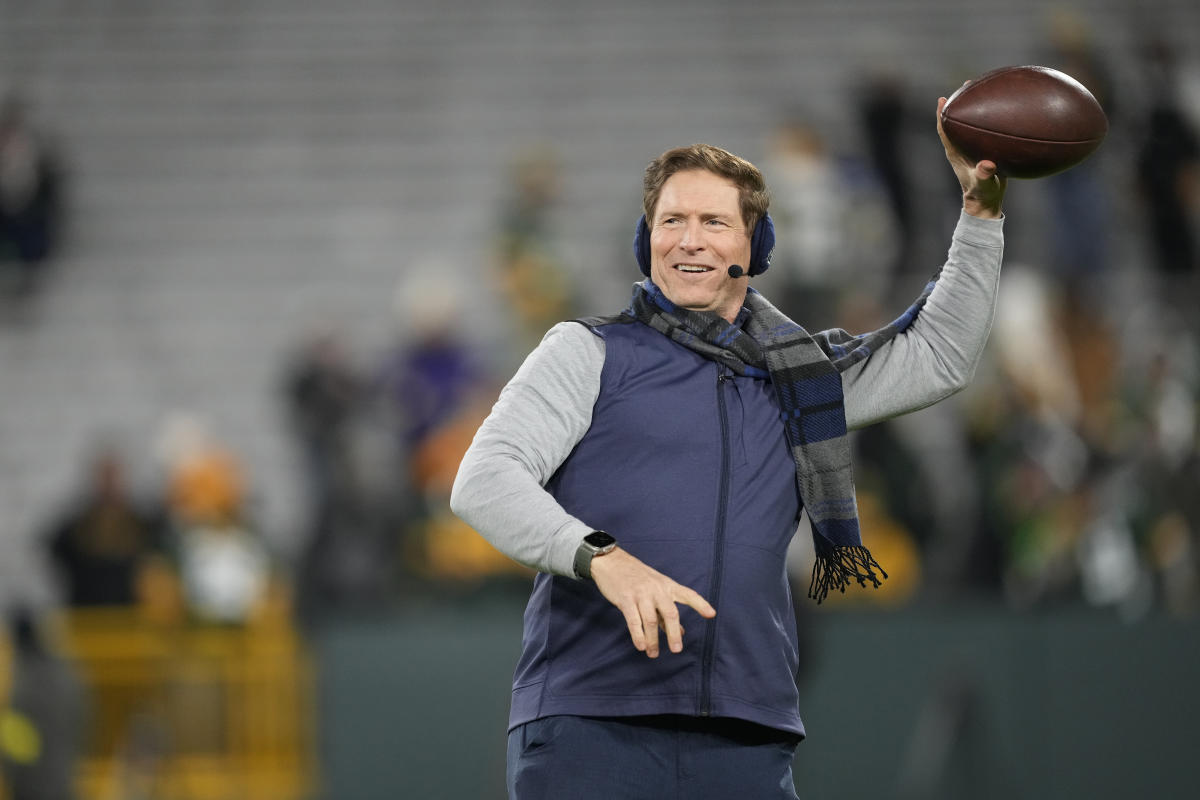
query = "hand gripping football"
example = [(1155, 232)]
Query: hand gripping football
[(1031, 121)]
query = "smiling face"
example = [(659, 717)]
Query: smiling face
[(696, 233)]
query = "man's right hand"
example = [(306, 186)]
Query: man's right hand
[(647, 598)]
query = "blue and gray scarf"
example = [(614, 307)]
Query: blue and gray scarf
[(806, 373)]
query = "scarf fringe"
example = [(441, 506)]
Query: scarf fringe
[(837, 567)]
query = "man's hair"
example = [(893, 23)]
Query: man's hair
[(753, 197)]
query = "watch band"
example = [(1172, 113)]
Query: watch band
[(596, 543)]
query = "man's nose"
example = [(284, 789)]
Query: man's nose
[(693, 237)]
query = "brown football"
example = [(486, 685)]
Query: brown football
[(1032, 121)]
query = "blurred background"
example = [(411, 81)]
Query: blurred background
[(264, 266)]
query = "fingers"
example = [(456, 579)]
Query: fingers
[(989, 183), (650, 615), (669, 618), (982, 184), (643, 619), (663, 617), (648, 600), (660, 618), (941, 132), (633, 621)]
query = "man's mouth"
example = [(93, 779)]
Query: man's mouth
[(693, 268)]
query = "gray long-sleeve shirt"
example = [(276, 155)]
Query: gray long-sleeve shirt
[(546, 408)]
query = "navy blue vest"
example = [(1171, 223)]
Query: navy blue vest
[(688, 467)]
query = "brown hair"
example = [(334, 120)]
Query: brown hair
[(753, 197)]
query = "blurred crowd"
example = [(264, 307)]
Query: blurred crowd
[(189, 551), (1063, 474), (1067, 473), (380, 527)]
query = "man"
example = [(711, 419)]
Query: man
[(652, 466)]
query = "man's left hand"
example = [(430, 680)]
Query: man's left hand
[(983, 188)]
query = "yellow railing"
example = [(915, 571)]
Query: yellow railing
[(186, 712)]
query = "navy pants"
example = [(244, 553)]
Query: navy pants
[(655, 758)]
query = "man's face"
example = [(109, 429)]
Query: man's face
[(696, 234)]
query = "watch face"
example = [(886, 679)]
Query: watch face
[(599, 539)]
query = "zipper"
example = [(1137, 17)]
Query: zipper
[(714, 591)]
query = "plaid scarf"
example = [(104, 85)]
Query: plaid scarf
[(806, 373)]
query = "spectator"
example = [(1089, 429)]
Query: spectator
[(225, 570), (347, 561), (1168, 164), (432, 372), (883, 115), (104, 543), (223, 563), (42, 724), (1032, 463), (813, 205), (324, 395), (30, 193), (349, 564), (1080, 197), (1161, 437), (532, 276), (439, 391)]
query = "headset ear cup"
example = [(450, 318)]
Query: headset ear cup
[(641, 245), (762, 245)]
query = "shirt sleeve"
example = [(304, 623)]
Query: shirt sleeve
[(540, 416), (937, 355)]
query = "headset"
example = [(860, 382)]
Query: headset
[(762, 247)]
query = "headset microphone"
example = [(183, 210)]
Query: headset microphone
[(735, 271)]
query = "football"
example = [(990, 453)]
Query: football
[(1032, 121)]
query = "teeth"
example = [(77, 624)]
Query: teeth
[(690, 268)]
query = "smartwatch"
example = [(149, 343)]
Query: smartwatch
[(596, 543)]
